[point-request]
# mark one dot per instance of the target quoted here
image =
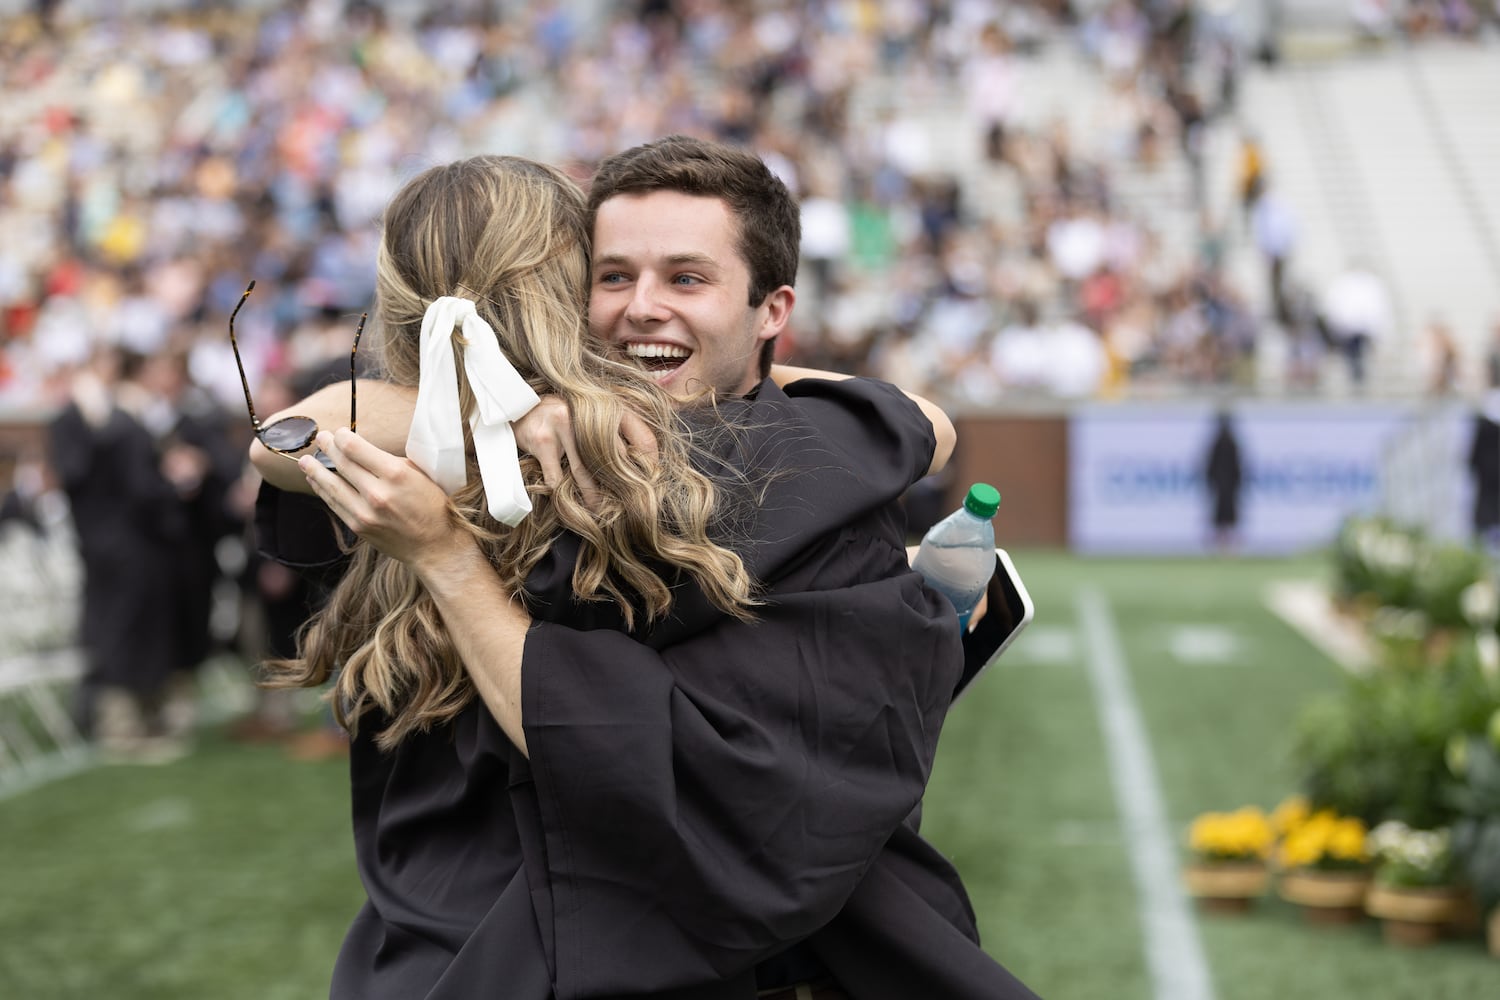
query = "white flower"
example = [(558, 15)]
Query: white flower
[(1480, 602), (1423, 850), (1387, 837)]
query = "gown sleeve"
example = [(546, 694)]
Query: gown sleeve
[(298, 530), (716, 792), (70, 448)]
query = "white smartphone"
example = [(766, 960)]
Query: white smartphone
[(1008, 611)]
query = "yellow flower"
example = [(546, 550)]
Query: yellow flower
[(1291, 813), (1325, 839), (1302, 847), (1245, 833), (1203, 835), (1346, 841)]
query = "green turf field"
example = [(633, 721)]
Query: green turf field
[(229, 874)]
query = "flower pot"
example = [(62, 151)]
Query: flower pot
[(1413, 917), (1226, 886), (1326, 897)]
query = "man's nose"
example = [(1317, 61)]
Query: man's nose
[(646, 303)]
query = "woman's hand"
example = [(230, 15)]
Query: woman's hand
[(386, 500), (391, 503), (546, 433)]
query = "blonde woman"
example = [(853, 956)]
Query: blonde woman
[(500, 243), (635, 736)]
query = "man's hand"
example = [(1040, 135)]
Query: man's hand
[(979, 609), (546, 433)]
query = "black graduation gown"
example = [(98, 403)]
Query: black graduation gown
[(127, 522), (1223, 475), (1484, 463), (202, 425), (708, 793)]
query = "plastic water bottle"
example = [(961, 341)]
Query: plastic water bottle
[(957, 555)]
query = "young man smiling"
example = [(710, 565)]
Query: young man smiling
[(683, 313), (711, 809), (695, 255)]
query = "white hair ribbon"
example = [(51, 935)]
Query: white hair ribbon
[(436, 441)]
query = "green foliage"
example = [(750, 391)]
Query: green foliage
[(1441, 575), (1374, 556), (1377, 749), (1402, 635), (1475, 798), (1394, 567)]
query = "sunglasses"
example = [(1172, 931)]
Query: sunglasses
[(290, 434)]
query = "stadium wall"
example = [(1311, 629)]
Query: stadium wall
[(1127, 478)]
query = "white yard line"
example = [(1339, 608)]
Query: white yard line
[(1174, 953)]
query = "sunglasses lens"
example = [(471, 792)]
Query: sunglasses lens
[(289, 434)]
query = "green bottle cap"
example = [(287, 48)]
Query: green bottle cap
[(983, 500)]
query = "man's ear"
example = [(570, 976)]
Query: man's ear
[(777, 308)]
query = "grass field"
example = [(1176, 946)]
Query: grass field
[(229, 874)]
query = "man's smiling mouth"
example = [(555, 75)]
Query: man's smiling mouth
[(659, 359)]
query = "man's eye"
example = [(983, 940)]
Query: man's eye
[(685, 279), (611, 278)]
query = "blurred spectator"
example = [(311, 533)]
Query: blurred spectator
[(1019, 351), (1484, 466), (1441, 359), (167, 158), (1077, 364), (993, 84), (826, 236), (201, 461), (129, 527), (1307, 340), (1250, 175), (1375, 20), (1274, 227), (1455, 17), (1357, 309), (150, 165), (1076, 244), (1492, 357), (22, 501), (1223, 480)]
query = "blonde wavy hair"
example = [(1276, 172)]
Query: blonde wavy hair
[(511, 235)]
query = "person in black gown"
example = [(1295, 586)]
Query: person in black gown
[(128, 523), (201, 460), (1484, 466), (689, 802), (1224, 479)]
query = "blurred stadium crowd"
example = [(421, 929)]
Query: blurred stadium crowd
[(152, 164)]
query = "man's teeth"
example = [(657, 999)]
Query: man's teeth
[(657, 351)]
